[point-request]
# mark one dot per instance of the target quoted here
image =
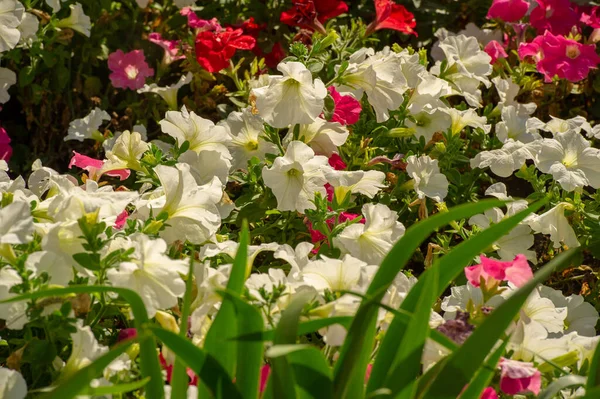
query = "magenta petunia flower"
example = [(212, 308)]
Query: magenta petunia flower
[(5, 147), (492, 271), (519, 377), (508, 10), (93, 166), (336, 162), (202, 24), (593, 18), (129, 70), (556, 16), (171, 47), (347, 108), (495, 50)]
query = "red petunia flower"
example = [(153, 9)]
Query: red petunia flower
[(304, 15), (390, 15), (327, 9), (214, 50)]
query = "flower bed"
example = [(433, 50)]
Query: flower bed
[(320, 199)]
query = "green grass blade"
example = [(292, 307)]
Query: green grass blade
[(80, 380), (593, 379), (224, 326), (304, 328), (206, 367), (116, 389), (149, 364), (450, 266), (312, 373), (485, 374), (408, 359), (179, 379), (355, 353), (564, 382), (467, 359)]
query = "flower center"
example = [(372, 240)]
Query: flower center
[(573, 51), (131, 71), (570, 159), (292, 173), (251, 145)]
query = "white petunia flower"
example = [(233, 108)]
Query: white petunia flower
[(504, 161), (468, 66), (202, 134), (508, 91), (429, 182), (14, 313), (460, 298), (555, 223), (192, 211), (206, 165), (125, 153), (514, 126), (12, 384), (55, 5), (28, 27), (483, 36), (86, 127), (557, 125), (322, 136), (11, 14), (380, 76), (370, 242), (85, 349), (584, 346), (7, 79), (581, 315), (151, 273), (77, 21), (426, 107), (570, 159), (248, 138), (109, 143), (529, 341), (364, 182), (16, 223), (543, 311), (296, 177), (168, 93), (297, 258), (59, 272), (468, 117), (292, 98), (333, 274)]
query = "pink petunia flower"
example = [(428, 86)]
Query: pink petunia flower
[(495, 50), (519, 377), (556, 16), (121, 219), (93, 166), (562, 57), (171, 47), (489, 393), (592, 19), (196, 23), (347, 108), (5, 147), (493, 271), (336, 162), (508, 10), (129, 70)]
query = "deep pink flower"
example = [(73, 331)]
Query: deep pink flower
[(126, 333), (336, 162), (347, 108), (171, 47), (5, 147), (390, 15), (121, 219), (129, 70), (265, 371), (489, 393), (592, 18), (197, 23), (492, 271), (508, 10), (93, 166), (562, 57), (556, 16), (215, 49), (495, 50), (519, 377)]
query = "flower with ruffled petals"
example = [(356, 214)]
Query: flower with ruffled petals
[(390, 15), (556, 16), (202, 24), (592, 18), (519, 377), (310, 14), (129, 70), (567, 58), (171, 47), (12, 384), (495, 50), (492, 271), (346, 108), (93, 166), (508, 10), (215, 49)]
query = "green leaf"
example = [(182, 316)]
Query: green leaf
[(484, 375), (450, 266), (468, 358), (80, 380), (116, 389), (304, 328), (149, 364), (206, 367), (88, 261), (355, 353), (313, 374), (566, 381), (218, 341), (408, 359), (283, 350), (593, 380)]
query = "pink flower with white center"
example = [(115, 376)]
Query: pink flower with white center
[(93, 166), (171, 47), (508, 10), (129, 70), (196, 23), (347, 108), (519, 377), (492, 271), (556, 16), (495, 50)]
